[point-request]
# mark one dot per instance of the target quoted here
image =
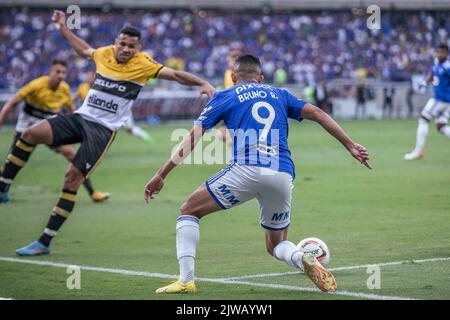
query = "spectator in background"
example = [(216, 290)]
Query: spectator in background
[(231, 58), (222, 132), (308, 93), (322, 44), (322, 99), (409, 97), (83, 88), (388, 94), (280, 77), (361, 96)]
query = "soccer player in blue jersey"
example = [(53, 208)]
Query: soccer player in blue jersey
[(437, 107), (256, 115)]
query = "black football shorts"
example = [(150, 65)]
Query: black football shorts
[(94, 139)]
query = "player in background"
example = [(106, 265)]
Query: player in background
[(256, 115), (223, 133), (130, 126), (83, 88), (121, 72), (437, 107), (44, 97)]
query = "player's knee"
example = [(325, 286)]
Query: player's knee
[(423, 118), (69, 153), (439, 126), (28, 136), (271, 243), (274, 238), (72, 179), (186, 207), (269, 247)]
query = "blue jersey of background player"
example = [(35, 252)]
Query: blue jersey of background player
[(256, 116), (441, 79), (437, 107)]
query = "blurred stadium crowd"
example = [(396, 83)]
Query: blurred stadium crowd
[(302, 47)]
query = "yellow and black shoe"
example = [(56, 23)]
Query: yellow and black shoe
[(98, 196)]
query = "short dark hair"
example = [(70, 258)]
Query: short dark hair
[(131, 31), (248, 64), (59, 61), (443, 46)]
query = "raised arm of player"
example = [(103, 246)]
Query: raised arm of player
[(188, 144), (187, 79), (79, 45), (8, 107), (358, 151)]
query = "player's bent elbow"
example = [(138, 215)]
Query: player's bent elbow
[(85, 53), (320, 115)]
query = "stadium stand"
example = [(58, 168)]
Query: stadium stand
[(302, 44), (305, 47)]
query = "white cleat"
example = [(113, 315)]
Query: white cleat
[(414, 155)]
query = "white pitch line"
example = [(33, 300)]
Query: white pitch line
[(89, 268), (308, 289), (361, 266), (213, 280), (6, 298)]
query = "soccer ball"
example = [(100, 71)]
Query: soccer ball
[(317, 247)]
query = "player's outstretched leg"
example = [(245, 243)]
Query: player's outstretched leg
[(60, 213), (20, 153), (69, 153), (141, 134), (421, 136), (284, 250), (197, 206)]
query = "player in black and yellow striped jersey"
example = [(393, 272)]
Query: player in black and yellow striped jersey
[(231, 59), (130, 126), (222, 132), (44, 97), (121, 71), (84, 87)]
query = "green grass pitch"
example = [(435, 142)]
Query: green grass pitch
[(399, 211)]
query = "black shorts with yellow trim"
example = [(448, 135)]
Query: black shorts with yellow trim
[(94, 140)]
